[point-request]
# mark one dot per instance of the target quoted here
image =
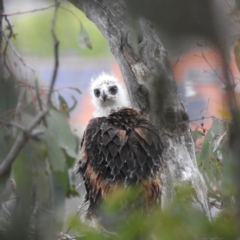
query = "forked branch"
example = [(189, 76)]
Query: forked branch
[(31, 131)]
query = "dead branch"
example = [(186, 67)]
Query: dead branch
[(31, 130)]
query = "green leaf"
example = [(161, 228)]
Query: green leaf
[(217, 127), (74, 104), (196, 135), (8, 96), (55, 153), (70, 160), (205, 153), (23, 175), (63, 179), (48, 192), (60, 129), (218, 141), (39, 155), (237, 53), (63, 105), (72, 192), (83, 39)]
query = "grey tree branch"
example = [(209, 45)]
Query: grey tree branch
[(12, 124), (20, 142), (31, 130)]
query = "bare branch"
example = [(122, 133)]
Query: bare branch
[(20, 142), (11, 123), (30, 11), (30, 131)]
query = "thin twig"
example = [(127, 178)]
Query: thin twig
[(6, 45), (215, 72), (177, 60), (11, 123), (56, 45), (67, 10), (16, 53), (31, 131), (25, 12), (193, 120)]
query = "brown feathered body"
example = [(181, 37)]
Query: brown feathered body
[(120, 150)]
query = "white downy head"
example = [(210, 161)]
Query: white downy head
[(107, 94)]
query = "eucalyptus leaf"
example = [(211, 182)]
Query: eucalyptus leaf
[(39, 155), (49, 194), (74, 104), (63, 179), (55, 153), (60, 129), (237, 53), (8, 95), (63, 105), (218, 141), (205, 151), (69, 159), (217, 127), (196, 134), (23, 174), (83, 39)]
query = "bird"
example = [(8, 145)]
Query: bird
[(119, 148)]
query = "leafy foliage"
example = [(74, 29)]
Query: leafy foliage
[(215, 163), (41, 170), (178, 220), (32, 202)]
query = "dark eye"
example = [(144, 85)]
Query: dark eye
[(96, 92), (113, 90)]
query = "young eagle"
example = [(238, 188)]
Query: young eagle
[(119, 147)]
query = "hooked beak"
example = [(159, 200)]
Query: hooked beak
[(104, 96)]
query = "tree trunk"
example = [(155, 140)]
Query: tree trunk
[(152, 89), (1, 58)]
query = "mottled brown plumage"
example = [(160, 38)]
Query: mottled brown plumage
[(121, 149)]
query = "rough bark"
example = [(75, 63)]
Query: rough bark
[(152, 89), (1, 62)]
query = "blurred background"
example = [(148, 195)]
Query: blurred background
[(84, 53), (196, 66)]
